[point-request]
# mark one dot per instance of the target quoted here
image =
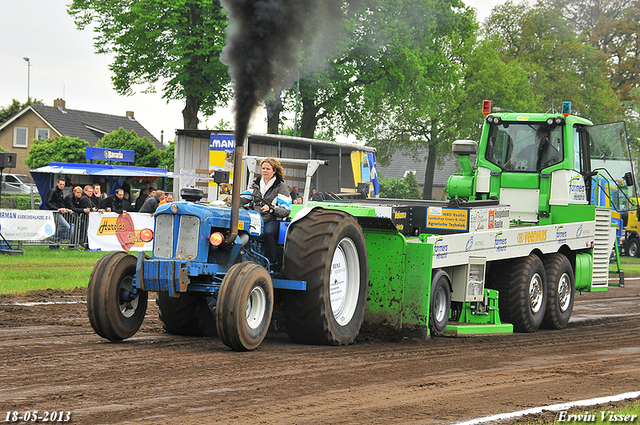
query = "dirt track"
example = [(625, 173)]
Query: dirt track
[(52, 360)]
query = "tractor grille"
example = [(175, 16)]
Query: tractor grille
[(186, 247)]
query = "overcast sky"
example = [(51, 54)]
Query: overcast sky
[(64, 65)]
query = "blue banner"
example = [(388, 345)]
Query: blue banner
[(222, 142), (101, 154)]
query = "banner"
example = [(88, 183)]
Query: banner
[(30, 225), (113, 232)]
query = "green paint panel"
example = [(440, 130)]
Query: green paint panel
[(387, 253), (417, 292), (520, 180), (572, 213), (465, 329)]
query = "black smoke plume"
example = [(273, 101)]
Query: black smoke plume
[(263, 44)]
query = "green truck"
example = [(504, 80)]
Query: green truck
[(518, 237)]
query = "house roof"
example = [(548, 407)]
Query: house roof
[(403, 161), (89, 126)]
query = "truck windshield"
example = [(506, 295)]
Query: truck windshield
[(528, 147)]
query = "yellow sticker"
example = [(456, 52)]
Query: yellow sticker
[(240, 225)]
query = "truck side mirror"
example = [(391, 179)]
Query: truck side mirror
[(628, 178)]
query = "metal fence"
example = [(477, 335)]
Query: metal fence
[(76, 235)]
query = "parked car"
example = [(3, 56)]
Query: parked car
[(18, 183)]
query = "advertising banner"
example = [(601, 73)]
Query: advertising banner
[(31, 225), (113, 232)]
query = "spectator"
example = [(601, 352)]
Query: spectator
[(88, 192), (126, 187), (55, 202), (170, 197), (313, 192), (117, 203), (152, 202), (96, 198), (294, 193), (81, 205), (144, 194)]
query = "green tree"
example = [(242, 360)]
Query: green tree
[(167, 157), (146, 153), (14, 108), (406, 188), (413, 88), (178, 41), (60, 149)]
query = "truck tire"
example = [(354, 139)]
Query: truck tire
[(244, 307), (560, 291), (326, 249), (633, 247), (187, 315), (440, 304), (522, 286), (113, 314)]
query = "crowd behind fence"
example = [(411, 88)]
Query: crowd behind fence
[(74, 237)]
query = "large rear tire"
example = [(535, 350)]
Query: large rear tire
[(113, 312), (244, 307), (560, 293), (326, 249), (522, 286), (187, 315), (633, 247)]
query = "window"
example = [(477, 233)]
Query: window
[(20, 137), (42, 133)]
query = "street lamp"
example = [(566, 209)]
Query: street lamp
[(28, 79)]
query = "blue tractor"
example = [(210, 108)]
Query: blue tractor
[(211, 280)]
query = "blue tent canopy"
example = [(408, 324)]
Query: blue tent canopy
[(44, 176)]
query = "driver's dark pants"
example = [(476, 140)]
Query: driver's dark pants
[(269, 240)]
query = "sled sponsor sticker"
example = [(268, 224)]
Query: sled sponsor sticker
[(447, 219)]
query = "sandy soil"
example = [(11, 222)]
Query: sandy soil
[(52, 360)]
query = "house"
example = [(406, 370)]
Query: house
[(38, 121), (403, 162)]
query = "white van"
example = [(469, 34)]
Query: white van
[(18, 183)]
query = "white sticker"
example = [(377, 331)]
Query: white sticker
[(256, 224), (434, 211)]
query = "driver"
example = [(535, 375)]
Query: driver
[(270, 196)]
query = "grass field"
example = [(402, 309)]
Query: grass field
[(41, 268)]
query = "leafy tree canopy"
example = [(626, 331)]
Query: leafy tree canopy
[(167, 157), (178, 41), (14, 108), (60, 149), (406, 188), (146, 153)]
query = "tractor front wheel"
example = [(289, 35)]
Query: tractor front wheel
[(244, 307), (326, 249), (115, 312)]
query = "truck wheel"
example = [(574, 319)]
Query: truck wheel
[(114, 314), (560, 291), (187, 315), (440, 303), (245, 305), (523, 291), (326, 249), (633, 247)]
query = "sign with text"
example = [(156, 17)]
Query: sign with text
[(448, 219), (102, 154), (30, 225), (113, 232)]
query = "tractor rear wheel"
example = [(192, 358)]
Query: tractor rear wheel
[(326, 249), (244, 307), (187, 315), (522, 286), (560, 293), (114, 313)]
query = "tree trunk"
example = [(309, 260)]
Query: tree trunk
[(274, 107), (190, 113), (309, 118), (427, 192)]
